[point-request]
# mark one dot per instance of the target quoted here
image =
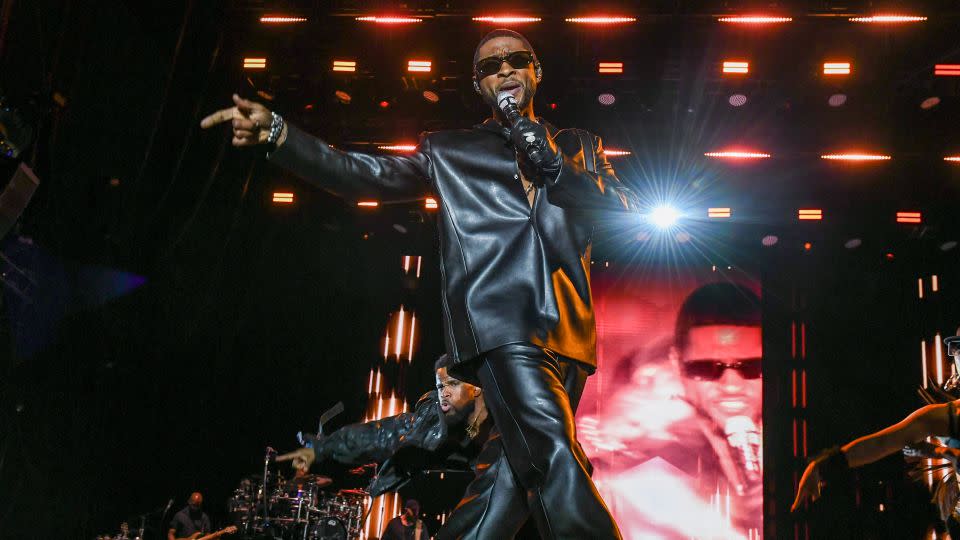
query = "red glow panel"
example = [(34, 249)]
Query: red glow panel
[(855, 157), (430, 203), (254, 63), (955, 159), (368, 204), (344, 65), (423, 66), (610, 67), (888, 19), (615, 152), (737, 67), (507, 19), (718, 213), (398, 147), (909, 217), (836, 68), (281, 197), (737, 154), (947, 70), (804, 214)]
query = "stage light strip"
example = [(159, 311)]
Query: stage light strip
[(955, 159), (947, 70), (389, 20), (737, 155), (507, 19), (600, 20), (939, 358), (419, 65), (736, 67), (935, 283), (909, 217), (888, 19), (398, 147), (254, 63), (368, 204), (920, 288), (614, 152), (754, 19), (281, 19), (610, 67), (807, 214), (282, 197), (855, 157), (430, 203), (718, 213), (923, 361), (836, 68), (344, 65)]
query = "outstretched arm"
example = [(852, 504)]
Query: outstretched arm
[(925, 422), (347, 174)]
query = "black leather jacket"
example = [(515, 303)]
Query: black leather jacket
[(511, 273), (383, 441)]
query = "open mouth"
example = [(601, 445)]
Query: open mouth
[(513, 87), (444, 406)]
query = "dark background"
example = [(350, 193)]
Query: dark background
[(176, 323)]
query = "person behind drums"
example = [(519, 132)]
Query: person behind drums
[(190, 522), (408, 525)]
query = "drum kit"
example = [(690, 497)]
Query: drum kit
[(302, 507)]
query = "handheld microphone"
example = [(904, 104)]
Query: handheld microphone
[(508, 104), (744, 437), (167, 509)]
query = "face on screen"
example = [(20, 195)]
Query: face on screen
[(720, 367)]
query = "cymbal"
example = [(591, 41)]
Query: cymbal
[(315, 479), (357, 491)]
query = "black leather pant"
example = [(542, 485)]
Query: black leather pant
[(532, 465)]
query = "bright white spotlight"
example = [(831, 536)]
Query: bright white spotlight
[(664, 217)]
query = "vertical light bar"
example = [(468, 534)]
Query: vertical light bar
[(803, 389), (939, 359), (398, 346), (419, 258), (386, 345), (406, 264), (935, 283), (923, 361), (413, 326), (920, 288), (793, 388), (370, 385)]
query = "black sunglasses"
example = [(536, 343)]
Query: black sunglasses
[(491, 64), (712, 370)]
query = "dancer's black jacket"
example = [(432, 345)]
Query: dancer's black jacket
[(511, 273)]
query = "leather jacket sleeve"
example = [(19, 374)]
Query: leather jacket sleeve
[(577, 187), (380, 439), (353, 174)]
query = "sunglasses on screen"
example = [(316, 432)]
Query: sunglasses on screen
[(712, 370), (491, 64)]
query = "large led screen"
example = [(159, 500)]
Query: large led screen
[(672, 419)]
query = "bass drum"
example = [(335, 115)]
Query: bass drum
[(328, 528)]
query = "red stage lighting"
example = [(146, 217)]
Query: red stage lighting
[(719, 213), (807, 246), (282, 197), (507, 19), (281, 19), (909, 217), (390, 20), (947, 70), (615, 152), (398, 147), (606, 99), (430, 203), (343, 97), (431, 96), (955, 159), (855, 157), (888, 19), (419, 66), (553, 106), (610, 67), (809, 214), (754, 19), (368, 204), (837, 100), (254, 63), (384, 104), (738, 67), (836, 68), (737, 154), (345, 65), (601, 19), (737, 100)]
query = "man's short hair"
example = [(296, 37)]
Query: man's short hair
[(502, 32), (414, 505), (717, 304), (443, 362)]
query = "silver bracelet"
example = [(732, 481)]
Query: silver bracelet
[(276, 127)]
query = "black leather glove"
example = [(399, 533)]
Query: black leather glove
[(537, 147)]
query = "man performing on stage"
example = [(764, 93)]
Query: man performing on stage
[(516, 201)]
